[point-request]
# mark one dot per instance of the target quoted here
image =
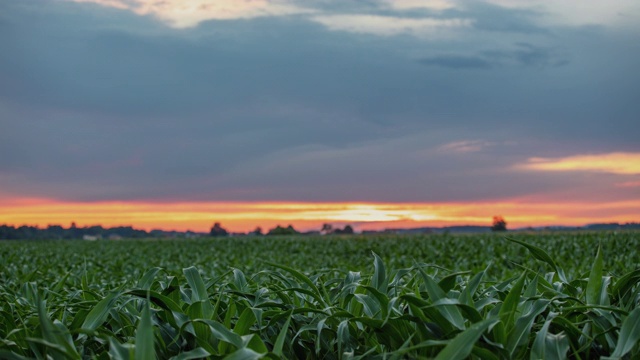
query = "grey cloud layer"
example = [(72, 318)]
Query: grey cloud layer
[(102, 104)]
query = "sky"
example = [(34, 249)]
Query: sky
[(176, 114)]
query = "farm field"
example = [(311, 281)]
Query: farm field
[(552, 296)]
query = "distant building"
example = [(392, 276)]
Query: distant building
[(91, 237)]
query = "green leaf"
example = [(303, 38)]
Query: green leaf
[(301, 277), (243, 354), (371, 306), (255, 343), (158, 299), (197, 353), (510, 305), (594, 285), (222, 333), (119, 351), (541, 255), (343, 337), (549, 346), (56, 333), (520, 333), (247, 318), (145, 349), (239, 280), (382, 299), (146, 280), (449, 312), (626, 283), (198, 289), (59, 351), (277, 347), (472, 286), (629, 334), (8, 355), (461, 346), (99, 313), (379, 279)]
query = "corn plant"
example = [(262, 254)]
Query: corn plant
[(535, 310)]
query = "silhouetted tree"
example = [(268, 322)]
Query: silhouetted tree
[(499, 224), (218, 230), (326, 229), (257, 231), (279, 230), (347, 230)]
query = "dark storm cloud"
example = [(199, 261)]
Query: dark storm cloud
[(97, 103)]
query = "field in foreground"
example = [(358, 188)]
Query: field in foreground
[(555, 296)]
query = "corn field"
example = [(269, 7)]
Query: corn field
[(543, 296)]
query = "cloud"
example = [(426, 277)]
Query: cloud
[(465, 146), (185, 14), (579, 13), (523, 54), (392, 25), (457, 62), (421, 4), (527, 55), (629, 184), (99, 104), (614, 163)]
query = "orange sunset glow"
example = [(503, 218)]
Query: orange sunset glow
[(310, 216), (615, 163)]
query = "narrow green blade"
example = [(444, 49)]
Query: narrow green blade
[(379, 279), (594, 285), (144, 336), (629, 334), (462, 345), (99, 313)]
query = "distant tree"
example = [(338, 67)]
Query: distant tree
[(499, 224), (74, 231), (347, 230), (279, 230), (218, 230), (257, 231), (326, 229), (55, 232)]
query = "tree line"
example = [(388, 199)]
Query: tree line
[(217, 230), (58, 232)]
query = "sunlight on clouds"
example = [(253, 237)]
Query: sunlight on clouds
[(390, 25), (465, 146), (369, 213), (421, 4), (185, 14), (628, 184), (614, 163), (307, 216), (118, 4)]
